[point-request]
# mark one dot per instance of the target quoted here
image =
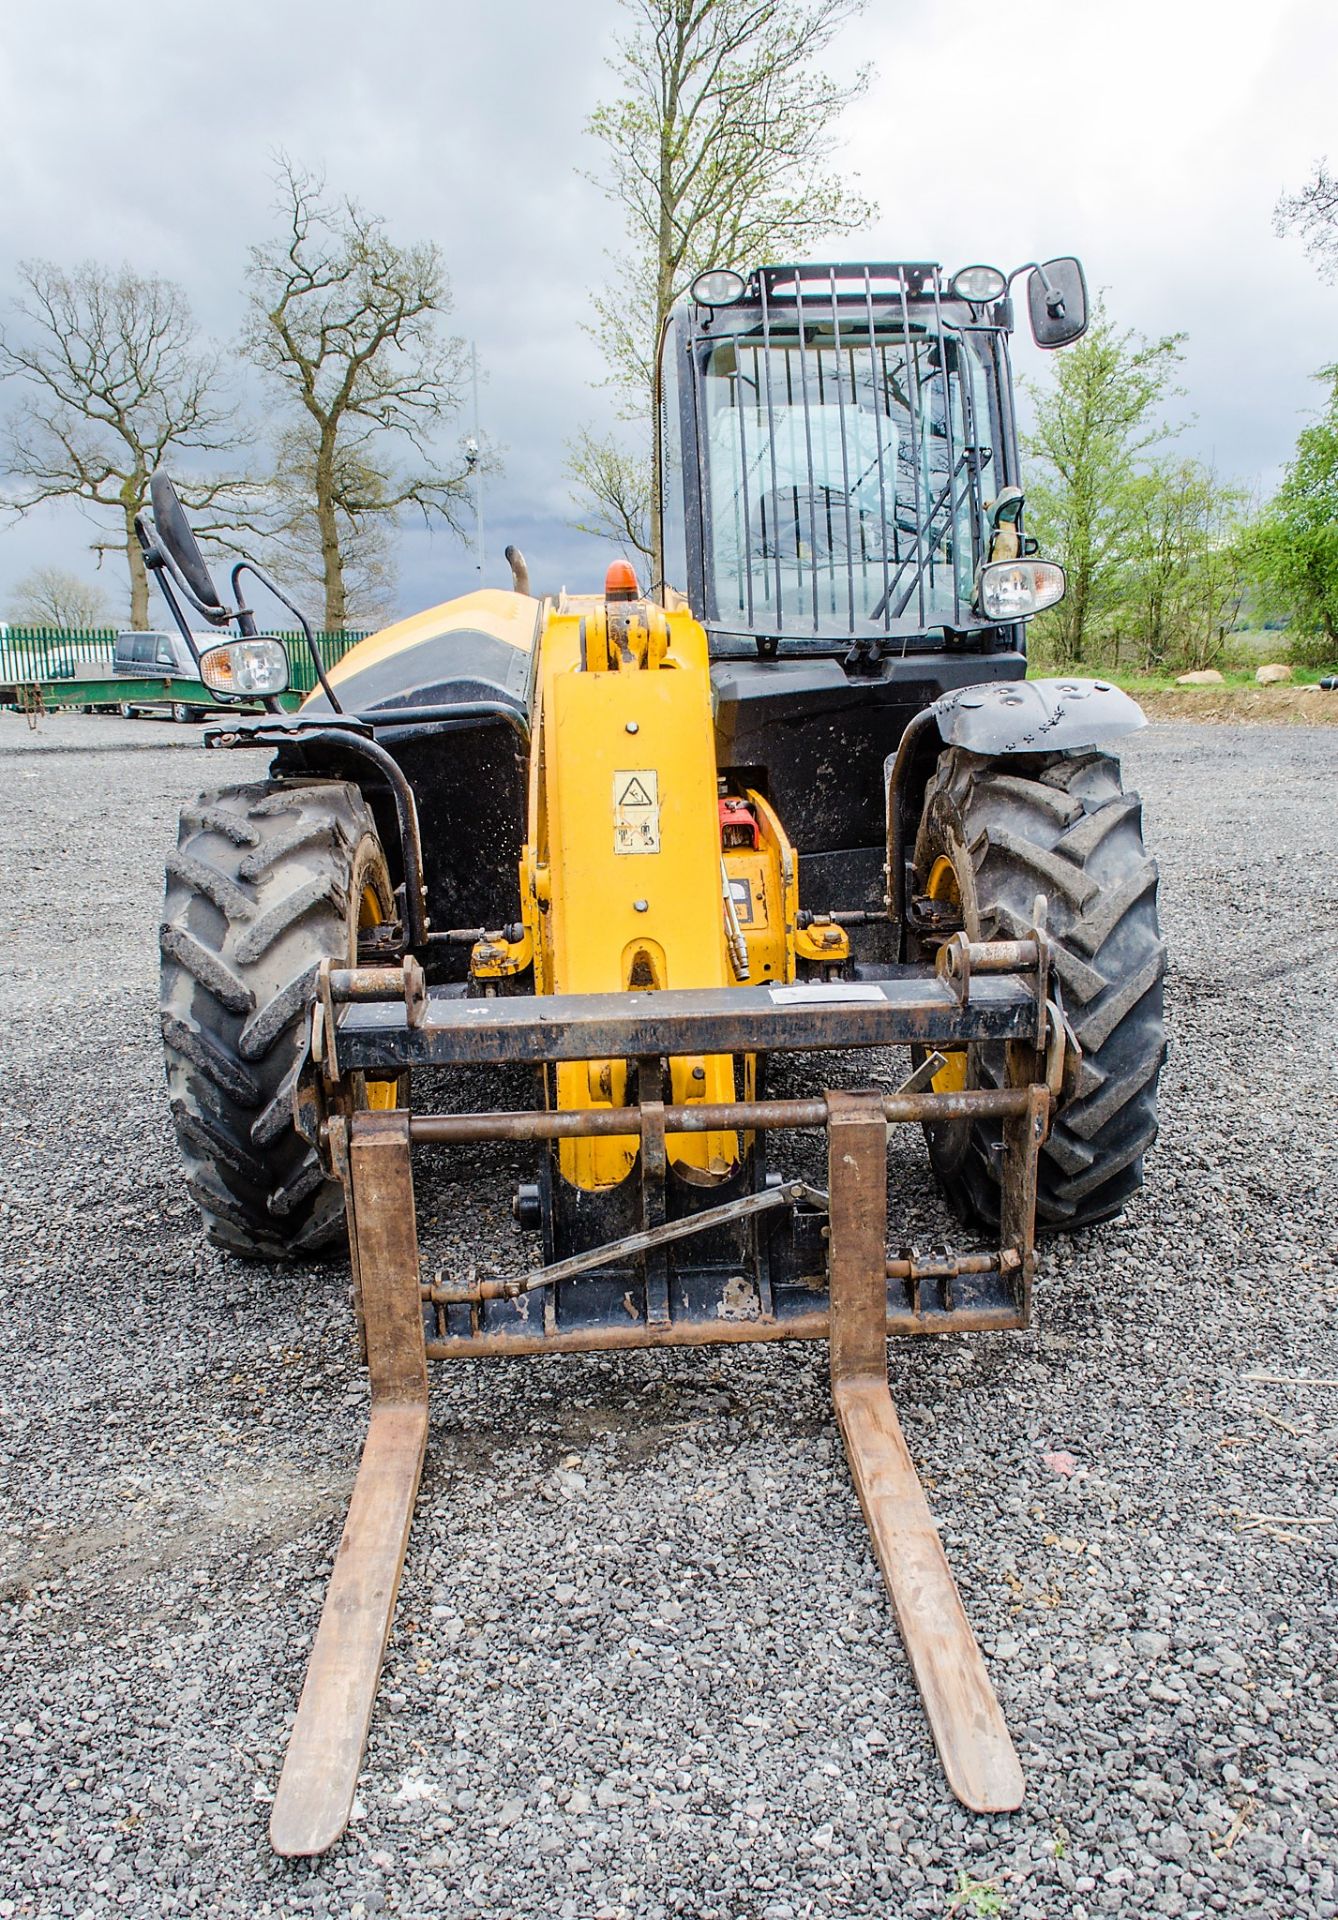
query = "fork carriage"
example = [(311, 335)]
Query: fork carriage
[(781, 1262)]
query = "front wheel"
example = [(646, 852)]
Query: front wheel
[(266, 882), (993, 834)]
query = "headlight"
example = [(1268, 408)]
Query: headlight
[(246, 669), (1015, 589)]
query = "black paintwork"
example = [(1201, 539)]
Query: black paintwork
[(909, 1006), (814, 737)]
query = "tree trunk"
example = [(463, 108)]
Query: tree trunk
[(663, 299), (665, 264), (657, 581), (657, 495), (139, 578), (1075, 633), (332, 561)]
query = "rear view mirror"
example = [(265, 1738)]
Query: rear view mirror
[(1058, 310), (179, 543)]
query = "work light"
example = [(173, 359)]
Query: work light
[(721, 287), (977, 284), (246, 669)]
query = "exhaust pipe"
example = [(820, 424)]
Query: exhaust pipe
[(520, 573)]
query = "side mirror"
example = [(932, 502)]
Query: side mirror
[(1058, 310), (179, 543)]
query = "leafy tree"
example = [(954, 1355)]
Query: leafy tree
[(1293, 548), (616, 485), (1185, 573), (54, 597), (113, 379), (347, 326), (1099, 415), (716, 149), (1313, 213)]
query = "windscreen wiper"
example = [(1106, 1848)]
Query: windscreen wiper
[(949, 496)]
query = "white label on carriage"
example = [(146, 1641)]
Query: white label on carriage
[(636, 810), (819, 993)]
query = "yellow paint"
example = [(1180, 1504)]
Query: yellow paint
[(769, 871), (500, 959), (512, 617), (822, 943), (605, 920), (951, 1076), (381, 1096)]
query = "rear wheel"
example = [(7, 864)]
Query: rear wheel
[(266, 882), (992, 836)]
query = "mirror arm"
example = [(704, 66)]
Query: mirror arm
[(248, 626), (1054, 301)]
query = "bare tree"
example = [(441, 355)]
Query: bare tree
[(717, 151), (294, 548), (114, 380), (55, 597), (347, 326), (1313, 213)]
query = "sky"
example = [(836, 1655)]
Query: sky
[(1153, 139)]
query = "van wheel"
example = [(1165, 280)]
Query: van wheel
[(266, 882)]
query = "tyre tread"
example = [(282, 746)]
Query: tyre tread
[(1088, 858), (259, 888)]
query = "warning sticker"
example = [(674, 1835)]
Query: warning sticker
[(636, 811), (741, 893)]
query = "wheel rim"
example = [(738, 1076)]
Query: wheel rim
[(943, 885)]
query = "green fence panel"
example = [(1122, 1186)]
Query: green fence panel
[(35, 654)]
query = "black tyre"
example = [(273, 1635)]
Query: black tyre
[(993, 834), (266, 881)]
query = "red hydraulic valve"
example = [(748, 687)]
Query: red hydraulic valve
[(738, 822)]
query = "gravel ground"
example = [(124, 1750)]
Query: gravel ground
[(643, 1664)]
